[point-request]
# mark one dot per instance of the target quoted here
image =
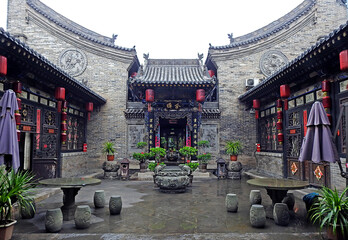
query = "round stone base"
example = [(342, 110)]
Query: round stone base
[(234, 175)]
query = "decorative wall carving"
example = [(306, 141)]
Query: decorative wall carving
[(136, 133), (73, 61), (210, 133), (271, 61)]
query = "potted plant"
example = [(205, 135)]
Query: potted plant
[(141, 157), (188, 152), (233, 148), (203, 157), (331, 210), (15, 187), (158, 153), (109, 150)]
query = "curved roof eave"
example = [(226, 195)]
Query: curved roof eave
[(270, 29), (73, 27)]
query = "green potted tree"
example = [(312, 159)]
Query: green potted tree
[(109, 150), (15, 187), (158, 153), (188, 152), (142, 156), (331, 210), (233, 148)]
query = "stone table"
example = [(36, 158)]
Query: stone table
[(70, 188)]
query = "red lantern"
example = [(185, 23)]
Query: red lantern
[(284, 91), (200, 95), (286, 104), (258, 147), (3, 65), (89, 107), (19, 103), (211, 73), (17, 87), (280, 137), (64, 116), (279, 103), (64, 126), (84, 149), (280, 115), (325, 86), (60, 93), (279, 125), (344, 60), (256, 104), (63, 137), (326, 102), (18, 118), (150, 95), (257, 114)]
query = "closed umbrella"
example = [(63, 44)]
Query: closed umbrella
[(8, 131), (318, 145)]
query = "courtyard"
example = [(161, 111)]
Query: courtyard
[(199, 213)]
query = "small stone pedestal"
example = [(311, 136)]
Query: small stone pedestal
[(234, 169), (111, 169)]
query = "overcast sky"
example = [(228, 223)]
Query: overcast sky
[(169, 29)]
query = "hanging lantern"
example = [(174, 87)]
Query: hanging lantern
[(134, 74), (19, 103), (279, 103), (64, 126), (344, 60), (64, 116), (327, 102), (280, 138), (211, 73), (17, 87), (18, 118), (60, 93), (325, 86), (280, 115), (3, 65), (257, 115), (256, 104), (63, 137), (89, 108), (200, 95), (284, 91), (150, 95), (279, 125)]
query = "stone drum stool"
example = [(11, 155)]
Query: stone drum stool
[(99, 199), (255, 197), (115, 205), (231, 202), (82, 216), (257, 216), (54, 220), (281, 214), (289, 200)]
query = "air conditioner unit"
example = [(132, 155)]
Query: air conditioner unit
[(252, 82)]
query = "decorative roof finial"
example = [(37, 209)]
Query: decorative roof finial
[(200, 56), (114, 36), (230, 36), (146, 56)]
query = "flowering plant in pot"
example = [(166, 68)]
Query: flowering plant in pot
[(158, 153), (15, 187), (330, 210), (109, 150), (142, 156), (203, 157), (233, 148)]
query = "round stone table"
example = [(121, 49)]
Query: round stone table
[(70, 188), (277, 188)]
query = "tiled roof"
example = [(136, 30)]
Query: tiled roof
[(173, 71), (272, 28), (324, 51), (7, 45), (73, 27)]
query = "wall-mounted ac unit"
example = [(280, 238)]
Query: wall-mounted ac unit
[(252, 82)]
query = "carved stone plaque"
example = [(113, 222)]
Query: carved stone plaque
[(136, 133), (271, 61), (73, 61), (210, 133)]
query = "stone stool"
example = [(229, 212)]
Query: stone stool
[(289, 200), (255, 197), (82, 216), (257, 216), (54, 220), (231, 202), (99, 199), (281, 214), (115, 205)]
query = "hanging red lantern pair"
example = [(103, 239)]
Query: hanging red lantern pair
[(256, 106), (150, 95), (59, 94)]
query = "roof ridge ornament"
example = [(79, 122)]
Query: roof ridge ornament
[(230, 36)]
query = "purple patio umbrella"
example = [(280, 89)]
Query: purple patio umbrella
[(318, 145), (8, 131)]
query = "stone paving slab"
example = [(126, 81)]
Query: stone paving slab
[(206, 236)]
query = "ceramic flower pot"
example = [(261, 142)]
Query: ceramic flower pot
[(6, 230), (110, 157), (233, 157)]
